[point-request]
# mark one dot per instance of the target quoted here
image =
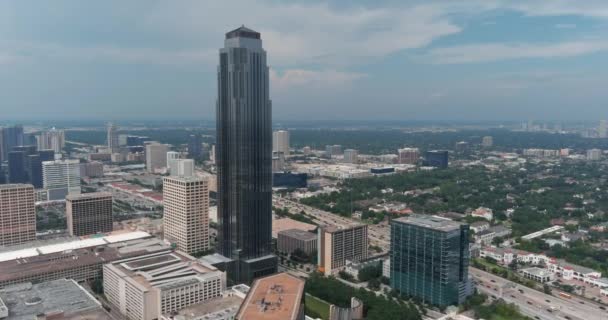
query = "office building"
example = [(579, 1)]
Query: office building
[(430, 259), (280, 142), (351, 156), (487, 141), (195, 146), (278, 162), (59, 299), (89, 213), (408, 155), (156, 156), (81, 260), (16, 167), (181, 167), (133, 141), (244, 157), (462, 146), (289, 180), (436, 158), (112, 138), (282, 296), (172, 158), (17, 214), (332, 151), (186, 213), (60, 178), (51, 140), (290, 240), (592, 155), (602, 131), (306, 150), (93, 169), (339, 244), (34, 166), (10, 137), (147, 287)]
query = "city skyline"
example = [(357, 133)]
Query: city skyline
[(414, 60)]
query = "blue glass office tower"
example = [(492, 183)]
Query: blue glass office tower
[(436, 158), (244, 157), (430, 259)]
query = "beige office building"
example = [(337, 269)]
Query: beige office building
[(338, 244), (186, 213), (89, 213), (147, 287), (409, 155), (17, 214), (156, 156)]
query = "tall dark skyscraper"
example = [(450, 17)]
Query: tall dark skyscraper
[(10, 138), (244, 157), (195, 146)]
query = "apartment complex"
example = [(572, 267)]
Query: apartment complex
[(337, 245), (80, 260), (60, 178), (430, 259), (290, 240), (146, 287), (89, 213), (186, 213), (282, 296), (17, 214)]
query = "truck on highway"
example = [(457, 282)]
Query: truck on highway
[(565, 295)]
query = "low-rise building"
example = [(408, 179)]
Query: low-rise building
[(479, 226), (276, 297), (482, 212), (290, 240), (146, 287), (57, 299), (537, 274)]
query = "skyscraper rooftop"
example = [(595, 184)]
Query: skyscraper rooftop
[(430, 222), (243, 32)]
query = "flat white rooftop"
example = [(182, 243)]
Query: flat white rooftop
[(72, 245)]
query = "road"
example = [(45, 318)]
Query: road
[(379, 235), (536, 304)]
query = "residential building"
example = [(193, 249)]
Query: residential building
[(290, 240), (57, 299), (89, 213), (436, 158), (430, 259), (51, 140), (282, 295), (186, 213), (146, 287), (112, 138), (156, 156), (280, 142), (339, 244), (244, 157), (81, 260), (594, 154), (487, 141), (483, 212), (17, 214), (351, 156), (409, 155), (479, 226), (60, 178)]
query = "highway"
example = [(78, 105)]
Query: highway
[(536, 304), (379, 235)]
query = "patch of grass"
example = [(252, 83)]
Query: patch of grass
[(316, 307)]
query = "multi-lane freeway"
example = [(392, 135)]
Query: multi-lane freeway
[(536, 304)]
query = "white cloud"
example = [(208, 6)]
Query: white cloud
[(293, 78), (476, 53)]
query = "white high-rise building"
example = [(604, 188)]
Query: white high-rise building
[(487, 141), (603, 129), (60, 178), (182, 168), (594, 154), (156, 156), (351, 156), (113, 142), (186, 213), (51, 140), (280, 142), (172, 158)]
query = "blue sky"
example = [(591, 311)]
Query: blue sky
[(410, 60)]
